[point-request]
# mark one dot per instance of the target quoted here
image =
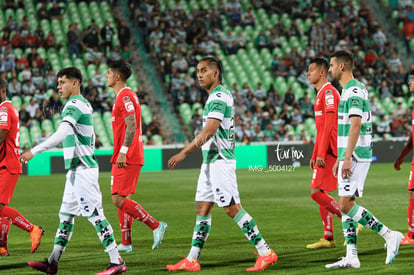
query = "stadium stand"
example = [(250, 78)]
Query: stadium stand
[(67, 33), (264, 48), (265, 58)]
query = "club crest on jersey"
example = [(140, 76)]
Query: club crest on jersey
[(328, 92), (126, 99), (3, 116)]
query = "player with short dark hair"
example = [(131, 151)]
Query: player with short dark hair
[(82, 195), (325, 149), (128, 156), (409, 237), (10, 170), (217, 180), (354, 160)]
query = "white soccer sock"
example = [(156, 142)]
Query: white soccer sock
[(251, 231), (200, 235), (105, 234), (63, 235)]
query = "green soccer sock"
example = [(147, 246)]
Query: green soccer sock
[(63, 235), (251, 231), (349, 227), (200, 235), (105, 234), (367, 219)]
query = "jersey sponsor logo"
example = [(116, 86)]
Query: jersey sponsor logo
[(355, 102), (129, 106), (318, 113), (4, 116), (329, 100), (216, 107)]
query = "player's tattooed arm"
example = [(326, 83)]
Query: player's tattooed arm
[(131, 128)]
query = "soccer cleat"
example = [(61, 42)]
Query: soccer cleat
[(159, 234), (407, 240), (360, 227), (35, 236), (44, 266), (393, 245), (124, 248), (322, 243), (4, 251), (184, 264), (264, 261), (345, 262), (114, 269)]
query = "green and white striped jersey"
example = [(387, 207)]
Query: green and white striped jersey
[(355, 102), (78, 146), (219, 105)]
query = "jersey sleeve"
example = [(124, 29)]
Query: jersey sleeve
[(5, 118), (125, 106), (356, 103), (71, 113), (217, 107), (329, 101)]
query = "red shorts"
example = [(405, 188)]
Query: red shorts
[(323, 178), (7, 184), (411, 179), (124, 180)]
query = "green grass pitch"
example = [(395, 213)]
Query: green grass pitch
[(279, 202)]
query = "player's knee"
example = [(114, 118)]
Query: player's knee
[(118, 200)]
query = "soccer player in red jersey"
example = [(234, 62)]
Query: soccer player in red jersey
[(128, 156), (409, 237), (325, 150), (10, 169)]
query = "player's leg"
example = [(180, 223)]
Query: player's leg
[(409, 237), (68, 210), (89, 198), (125, 222), (124, 183), (323, 182), (4, 233), (224, 182), (7, 184), (204, 203)]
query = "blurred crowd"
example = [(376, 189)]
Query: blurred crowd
[(178, 38)]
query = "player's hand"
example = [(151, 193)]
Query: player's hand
[(312, 164), (25, 157), (172, 162), (346, 168), (121, 160), (397, 163), (335, 169), (320, 162)]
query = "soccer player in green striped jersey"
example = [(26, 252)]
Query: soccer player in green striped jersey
[(82, 195), (217, 180), (354, 159)]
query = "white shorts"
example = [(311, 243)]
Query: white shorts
[(82, 194), (217, 183), (354, 186)]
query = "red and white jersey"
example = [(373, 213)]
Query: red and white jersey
[(10, 149), (327, 101), (127, 103), (412, 132)]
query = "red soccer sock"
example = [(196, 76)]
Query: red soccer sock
[(4, 231), (135, 210), (16, 218), (328, 202), (410, 218), (125, 221), (326, 218)]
